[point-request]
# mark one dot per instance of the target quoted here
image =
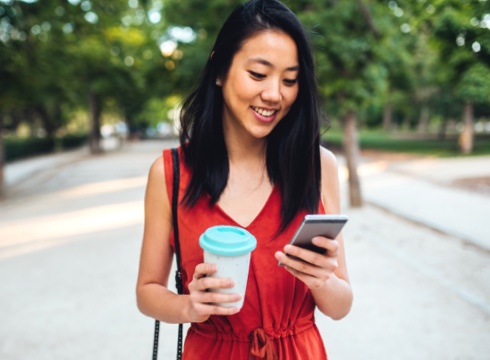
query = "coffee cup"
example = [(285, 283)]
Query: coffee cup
[(229, 247)]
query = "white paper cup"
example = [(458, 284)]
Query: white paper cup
[(229, 247), (234, 267)]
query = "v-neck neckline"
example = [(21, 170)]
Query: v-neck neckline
[(256, 218)]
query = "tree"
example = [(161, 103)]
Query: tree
[(473, 88), (76, 55), (193, 26), (462, 35), (350, 48), (59, 56), (95, 58), (29, 72)]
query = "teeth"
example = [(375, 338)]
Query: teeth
[(263, 112)]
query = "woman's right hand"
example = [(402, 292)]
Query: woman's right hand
[(202, 301)]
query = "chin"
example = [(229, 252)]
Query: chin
[(261, 134)]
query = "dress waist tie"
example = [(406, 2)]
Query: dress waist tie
[(262, 346)]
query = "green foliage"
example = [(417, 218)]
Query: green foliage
[(369, 54), (361, 54), (463, 41), (205, 18), (159, 110), (382, 141), (54, 54), (474, 85), (18, 148), (71, 141)]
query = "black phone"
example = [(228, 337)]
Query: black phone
[(327, 225)]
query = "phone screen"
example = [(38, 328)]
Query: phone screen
[(318, 225)]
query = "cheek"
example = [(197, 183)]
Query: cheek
[(290, 97), (242, 91), (247, 88)]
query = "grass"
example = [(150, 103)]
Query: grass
[(411, 143), (16, 148)]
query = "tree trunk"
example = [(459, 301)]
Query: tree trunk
[(424, 120), (95, 110), (351, 151), (443, 129), (46, 120), (366, 14), (29, 116), (406, 123), (388, 117), (2, 160), (16, 117), (467, 135)]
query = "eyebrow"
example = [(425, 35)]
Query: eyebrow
[(269, 64)]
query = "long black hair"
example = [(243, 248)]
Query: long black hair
[(293, 147)]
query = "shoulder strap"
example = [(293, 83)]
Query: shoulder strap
[(175, 205), (178, 277)]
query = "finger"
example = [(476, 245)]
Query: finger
[(213, 297), (332, 246), (208, 303), (223, 310), (203, 270), (313, 282), (305, 255), (206, 310), (223, 298), (319, 266), (210, 282), (203, 311)]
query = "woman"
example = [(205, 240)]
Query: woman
[(251, 158)]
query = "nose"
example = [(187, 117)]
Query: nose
[(272, 92)]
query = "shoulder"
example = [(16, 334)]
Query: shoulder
[(156, 197), (161, 168), (157, 170), (330, 189), (156, 178), (328, 160)]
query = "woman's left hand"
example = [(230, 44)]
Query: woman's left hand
[(310, 267)]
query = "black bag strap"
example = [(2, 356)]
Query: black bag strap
[(178, 277), (175, 204)]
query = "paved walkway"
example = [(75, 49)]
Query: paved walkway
[(422, 190), (70, 234)]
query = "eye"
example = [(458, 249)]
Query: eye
[(290, 82), (256, 75)]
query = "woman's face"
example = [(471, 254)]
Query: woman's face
[(261, 85)]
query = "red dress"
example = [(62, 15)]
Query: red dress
[(277, 318)]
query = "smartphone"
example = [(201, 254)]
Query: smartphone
[(318, 225)]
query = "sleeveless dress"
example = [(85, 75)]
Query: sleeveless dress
[(277, 317)]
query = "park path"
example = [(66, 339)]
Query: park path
[(70, 234)]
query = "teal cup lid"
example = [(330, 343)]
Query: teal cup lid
[(227, 240)]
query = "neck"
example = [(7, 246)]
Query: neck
[(241, 150)]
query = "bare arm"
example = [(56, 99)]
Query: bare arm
[(153, 296), (326, 275)]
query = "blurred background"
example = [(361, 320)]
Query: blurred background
[(90, 93)]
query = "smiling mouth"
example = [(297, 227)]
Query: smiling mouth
[(263, 112)]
